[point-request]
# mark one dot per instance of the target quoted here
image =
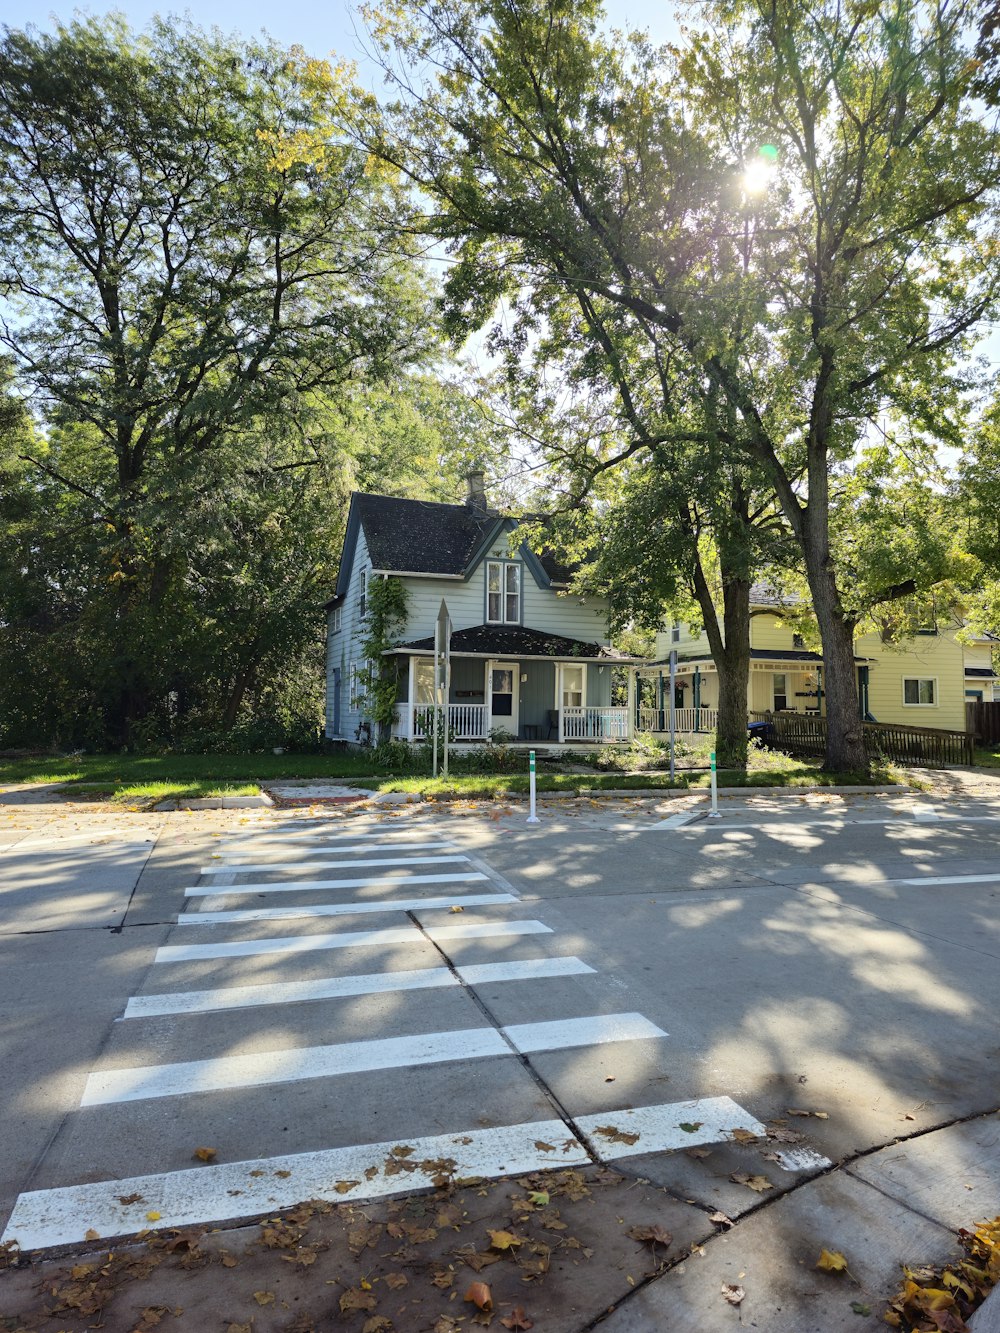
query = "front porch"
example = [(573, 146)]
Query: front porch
[(519, 699)]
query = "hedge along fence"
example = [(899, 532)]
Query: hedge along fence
[(800, 734)]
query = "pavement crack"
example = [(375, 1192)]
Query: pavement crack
[(520, 1056), (843, 1165)]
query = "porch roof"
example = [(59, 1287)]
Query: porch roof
[(517, 641)]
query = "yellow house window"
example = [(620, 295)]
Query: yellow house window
[(920, 691)]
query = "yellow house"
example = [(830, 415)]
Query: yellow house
[(924, 680)]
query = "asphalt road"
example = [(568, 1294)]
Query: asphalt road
[(614, 987)]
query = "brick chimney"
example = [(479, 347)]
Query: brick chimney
[(475, 480)]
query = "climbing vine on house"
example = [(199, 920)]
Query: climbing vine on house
[(386, 614)]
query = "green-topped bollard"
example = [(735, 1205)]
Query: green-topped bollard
[(532, 817), (714, 812)]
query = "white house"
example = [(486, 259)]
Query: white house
[(527, 656)]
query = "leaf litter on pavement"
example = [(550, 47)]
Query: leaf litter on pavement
[(542, 1251)]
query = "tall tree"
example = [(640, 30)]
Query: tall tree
[(850, 285), (179, 277)]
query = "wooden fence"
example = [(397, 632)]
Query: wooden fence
[(799, 733), (983, 720)]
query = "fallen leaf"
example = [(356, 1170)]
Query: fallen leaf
[(345, 1186), (616, 1135), (456, 908), (205, 1154), (721, 1220), (153, 1216), (480, 1296), (539, 1198), (542, 1146), (228, 1260), (757, 1183), (860, 1308), (283, 1175), (264, 1297), (356, 1299), (831, 1261), (653, 1235), (690, 1126), (377, 1324), (91, 1235), (698, 1152), (504, 1240), (517, 1320), (127, 1199), (732, 1293), (741, 1135), (396, 1280)]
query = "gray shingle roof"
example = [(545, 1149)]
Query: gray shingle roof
[(518, 641), (424, 537)]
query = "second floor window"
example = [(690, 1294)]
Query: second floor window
[(503, 592), (336, 620), (675, 633)]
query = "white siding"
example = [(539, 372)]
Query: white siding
[(572, 616), (343, 648)]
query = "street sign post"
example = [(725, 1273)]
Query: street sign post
[(532, 817), (442, 678)]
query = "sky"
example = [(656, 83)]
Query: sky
[(321, 26)]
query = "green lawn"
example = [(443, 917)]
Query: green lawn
[(116, 769), (145, 779), (988, 758)]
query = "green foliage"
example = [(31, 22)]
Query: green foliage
[(601, 187), (211, 304), (386, 613)]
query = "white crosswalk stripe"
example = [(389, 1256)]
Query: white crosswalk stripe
[(242, 997), (354, 1057), (244, 868), (299, 985), (343, 909), (353, 939), (313, 885), (263, 1185)]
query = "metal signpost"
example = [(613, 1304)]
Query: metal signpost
[(673, 708), (442, 678)]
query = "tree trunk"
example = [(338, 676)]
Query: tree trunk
[(845, 742), (730, 648), (243, 681), (733, 666)]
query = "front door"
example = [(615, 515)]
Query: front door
[(501, 695)]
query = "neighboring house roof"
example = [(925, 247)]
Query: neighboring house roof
[(758, 655), (766, 594), (515, 641), (987, 672), (423, 537)]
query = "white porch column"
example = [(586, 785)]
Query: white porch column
[(412, 703), (631, 702), (559, 695)]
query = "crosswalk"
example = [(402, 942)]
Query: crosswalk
[(312, 1056)]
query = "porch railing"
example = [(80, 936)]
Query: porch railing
[(685, 719), (595, 724), (466, 722)]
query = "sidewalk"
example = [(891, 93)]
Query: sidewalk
[(562, 1251)]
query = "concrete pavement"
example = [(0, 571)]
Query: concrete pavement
[(825, 955)]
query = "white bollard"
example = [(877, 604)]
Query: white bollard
[(714, 812), (532, 817)]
